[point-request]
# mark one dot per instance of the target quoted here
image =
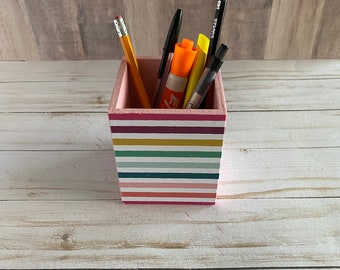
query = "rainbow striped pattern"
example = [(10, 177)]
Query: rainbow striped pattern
[(167, 158)]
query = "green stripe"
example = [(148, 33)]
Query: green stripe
[(167, 154), (168, 165)]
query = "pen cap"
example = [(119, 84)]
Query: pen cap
[(217, 60), (184, 56)]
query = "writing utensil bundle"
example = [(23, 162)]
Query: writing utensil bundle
[(186, 71)]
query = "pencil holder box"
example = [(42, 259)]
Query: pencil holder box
[(165, 155)]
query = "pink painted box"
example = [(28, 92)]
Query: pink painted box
[(165, 155)]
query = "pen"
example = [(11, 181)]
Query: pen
[(169, 47), (207, 78), (132, 61), (216, 27), (171, 40)]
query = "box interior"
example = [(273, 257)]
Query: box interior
[(125, 95)]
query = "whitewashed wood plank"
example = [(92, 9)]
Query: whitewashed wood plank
[(99, 70), (292, 129), (57, 96), (59, 71), (58, 175), (86, 131), (259, 95), (55, 131), (279, 173), (250, 85), (269, 155), (233, 233), (245, 173), (75, 96), (271, 70)]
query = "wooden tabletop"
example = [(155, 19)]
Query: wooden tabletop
[(278, 200)]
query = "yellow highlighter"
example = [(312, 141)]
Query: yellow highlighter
[(198, 66)]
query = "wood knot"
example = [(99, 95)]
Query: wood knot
[(66, 236), (67, 242), (32, 194), (99, 100)]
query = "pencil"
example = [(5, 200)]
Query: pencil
[(132, 61)]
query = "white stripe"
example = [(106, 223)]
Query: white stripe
[(167, 170), (168, 180), (167, 199), (167, 148), (170, 136), (165, 123), (168, 159), (179, 190)]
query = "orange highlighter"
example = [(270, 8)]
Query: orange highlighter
[(183, 58)]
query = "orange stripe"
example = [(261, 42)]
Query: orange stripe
[(169, 194)]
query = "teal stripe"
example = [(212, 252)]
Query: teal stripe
[(168, 165), (169, 175), (168, 154)]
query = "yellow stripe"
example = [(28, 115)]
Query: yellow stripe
[(175, 142)]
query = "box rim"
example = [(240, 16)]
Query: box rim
[(219, 91)]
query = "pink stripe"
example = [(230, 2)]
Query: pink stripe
[(167, 185), (168, 194), (170, 202), (180, 117)]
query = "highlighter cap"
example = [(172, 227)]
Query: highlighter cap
[(184, 56), (203, 43)]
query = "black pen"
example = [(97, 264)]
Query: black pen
[(171, 40), (207, 78), (169, 46), (216, 27)]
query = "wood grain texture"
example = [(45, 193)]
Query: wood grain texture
[(328, 29), (95, 19), (245, 28), (247, 174), (235, 233), (60, 177), (81, 85), (86, 131), (278, 195), (83, 29), (16, 39), (56, 29), (293, 28)]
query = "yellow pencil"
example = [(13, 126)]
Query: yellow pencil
[(132, 61)]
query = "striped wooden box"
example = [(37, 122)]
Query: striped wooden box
[(165, 156)]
